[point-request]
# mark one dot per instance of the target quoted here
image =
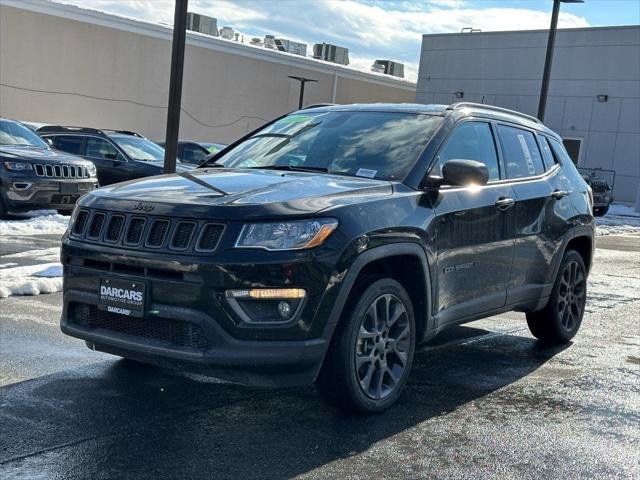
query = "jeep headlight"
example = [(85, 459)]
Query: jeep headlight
[(18, 166), (91, 170), (296, 235)]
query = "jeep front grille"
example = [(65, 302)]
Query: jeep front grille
[(132, 231), (61, 171)]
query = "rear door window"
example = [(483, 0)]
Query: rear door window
[(522, 157), (67, 143), (470, 141)]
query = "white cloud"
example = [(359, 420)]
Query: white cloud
[(387, 30)]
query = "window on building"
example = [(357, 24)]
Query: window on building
[(522, 157), (573, 145), (470, 141)]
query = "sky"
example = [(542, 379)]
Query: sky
[(378, 29)]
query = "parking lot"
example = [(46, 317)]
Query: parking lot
[(483, 401)]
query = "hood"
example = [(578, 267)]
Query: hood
[(180, 167), (238, 193), (40, 155)]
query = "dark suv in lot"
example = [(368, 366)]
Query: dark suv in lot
[(118, 155), (328, 243), (33, 176)]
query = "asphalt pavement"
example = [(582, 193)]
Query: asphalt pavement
[(484, 400)]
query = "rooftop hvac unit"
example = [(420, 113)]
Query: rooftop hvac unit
[(227, 33), (270, 42), (389, 67), (331, 53), (290, 46), (202, 24)]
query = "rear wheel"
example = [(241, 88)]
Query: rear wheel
[(560, 320), (600, 211), (372, 350)]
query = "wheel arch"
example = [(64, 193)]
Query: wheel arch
[(388, 260)]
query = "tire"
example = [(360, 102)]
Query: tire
[(383, 349), (559, 321), (600, 211), (3, 210)]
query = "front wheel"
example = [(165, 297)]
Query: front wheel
[(559, 321), (371, 353)]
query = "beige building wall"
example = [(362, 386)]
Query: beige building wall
[(65, 65)]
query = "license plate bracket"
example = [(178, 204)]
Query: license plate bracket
[(68, 188), (124, 297)]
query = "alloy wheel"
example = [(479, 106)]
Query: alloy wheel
[(571, 295), (382, 346)]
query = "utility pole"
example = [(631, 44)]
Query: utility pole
[(544, 89), (302, 81), (175, 86)]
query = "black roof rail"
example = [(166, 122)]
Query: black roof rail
[(61, 128), (317, 105), (125, 132), (456, 106)]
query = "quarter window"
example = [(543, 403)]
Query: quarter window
[(522, 157), (470, 141), (547, 155)]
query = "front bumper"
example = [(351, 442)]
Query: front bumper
[(25, 194), (187, 324)]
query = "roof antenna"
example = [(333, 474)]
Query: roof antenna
[(482, 101)]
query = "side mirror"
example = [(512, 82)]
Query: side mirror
[(464, 173), (111, 156)]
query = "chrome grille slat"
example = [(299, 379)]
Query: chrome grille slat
[(60, 171), (150, 233)]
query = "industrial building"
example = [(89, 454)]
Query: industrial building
[(594, 93), (68, 65)]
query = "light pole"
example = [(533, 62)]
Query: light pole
[(302, 81), (175, 86), (544, 89)]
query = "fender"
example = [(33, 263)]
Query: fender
[(365, 258), (578, 231)]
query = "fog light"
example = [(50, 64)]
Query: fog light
[(267, 293), (284, 309)]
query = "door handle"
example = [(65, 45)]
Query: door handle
[(505, 203), (558, 194)]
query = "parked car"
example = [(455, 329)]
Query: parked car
[(118, 155), (195, 152), (601, 182), (33, 176), (386, 225)]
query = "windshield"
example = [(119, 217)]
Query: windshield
[(382, 145), (140, 148), (13, 133)]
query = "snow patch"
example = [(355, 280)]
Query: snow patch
[(54, 224), (46, 254), (31, 280), (619, 220)]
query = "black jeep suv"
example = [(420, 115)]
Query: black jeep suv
[(118, 155), (328, 243), (33, 176)]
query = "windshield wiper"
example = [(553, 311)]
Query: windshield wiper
[(294, 168)]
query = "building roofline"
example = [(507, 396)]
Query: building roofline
[(542, 30), (157, 30)]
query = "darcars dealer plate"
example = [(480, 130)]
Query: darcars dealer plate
[(122, 297)]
